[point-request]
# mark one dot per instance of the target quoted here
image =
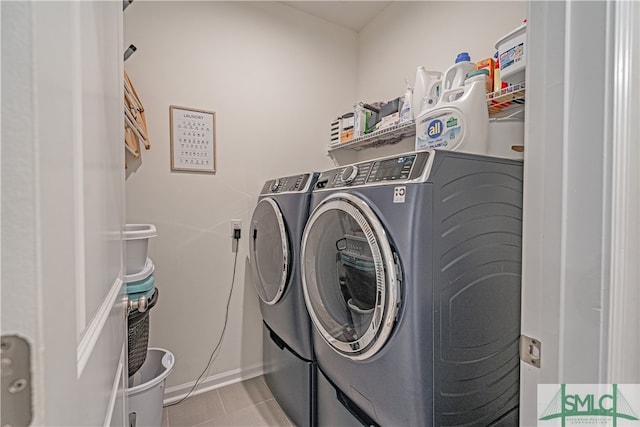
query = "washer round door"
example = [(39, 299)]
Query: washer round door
[(350, 276), (269, 251)]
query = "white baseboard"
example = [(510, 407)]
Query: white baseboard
[(175, 393)]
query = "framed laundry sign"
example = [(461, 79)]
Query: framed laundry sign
[(193, 139)]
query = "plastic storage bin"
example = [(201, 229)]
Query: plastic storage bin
[(142, 283), (144, 288), (142, 274), (136, 238), (506, 138), (512, 51), (146, 388)]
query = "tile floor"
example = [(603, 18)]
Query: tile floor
[(246, 404)]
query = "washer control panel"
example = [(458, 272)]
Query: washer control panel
[(391, 169), (295, 183)]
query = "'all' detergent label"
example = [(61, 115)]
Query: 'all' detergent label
[(441, 129)]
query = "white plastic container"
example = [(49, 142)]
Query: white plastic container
[(506, 138), (361, 317), (426, 90), (136, 238), (482, 76), (146, 271), (459, 122), (141, 284), (512, 51), (406, 112), (455, 75), (146, 387)]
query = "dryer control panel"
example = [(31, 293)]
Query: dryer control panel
[(406, 167), (288, 184)]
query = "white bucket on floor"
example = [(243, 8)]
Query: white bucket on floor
[(146, 388)]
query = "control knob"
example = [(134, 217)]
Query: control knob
[(275, 185), (349, 174)]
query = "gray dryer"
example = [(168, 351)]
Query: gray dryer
[(274, 250)]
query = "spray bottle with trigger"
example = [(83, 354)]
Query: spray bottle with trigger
[(406, 112)]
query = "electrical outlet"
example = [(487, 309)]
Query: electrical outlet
[(236, 224)]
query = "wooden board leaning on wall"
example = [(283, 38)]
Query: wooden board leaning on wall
[(135, 123)]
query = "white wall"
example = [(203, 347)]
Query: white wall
[(407, 34), (276, 78)]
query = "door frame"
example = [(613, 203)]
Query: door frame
[(624, 342), (580, 229)]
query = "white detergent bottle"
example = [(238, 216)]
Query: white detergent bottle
[(432, 91), (459, 121), (456, 74), (419, 88), (426, 89)]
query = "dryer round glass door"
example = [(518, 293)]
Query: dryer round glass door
[(350, 276), (269, 251)]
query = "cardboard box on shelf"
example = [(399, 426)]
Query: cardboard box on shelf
[(346, 136)]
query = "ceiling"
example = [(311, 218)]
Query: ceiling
[(349, 14)]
